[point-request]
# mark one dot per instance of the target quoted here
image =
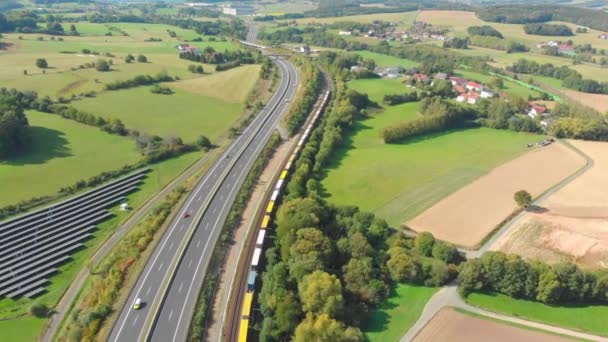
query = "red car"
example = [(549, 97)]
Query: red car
[(186, 215)]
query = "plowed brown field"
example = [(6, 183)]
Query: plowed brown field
[(574, 225), (450, 325), (471, 213)]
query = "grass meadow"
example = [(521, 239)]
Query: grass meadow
[(590, 318), (398, 312), (64, 77), (386, 60), (208, 105), (62, 152), (408, 177), (402, 19)]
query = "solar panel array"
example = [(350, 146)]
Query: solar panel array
[(34, 245)]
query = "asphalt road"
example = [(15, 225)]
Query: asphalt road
[(226, 177)]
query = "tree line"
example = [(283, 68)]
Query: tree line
[(562, 283), (570, 78), (209, 55), (140, 80), (312, 78), (526, 14), (484, 30)]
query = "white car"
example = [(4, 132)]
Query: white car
[(137, 304)]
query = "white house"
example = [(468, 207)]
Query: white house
[(345, 33), (486, 94)]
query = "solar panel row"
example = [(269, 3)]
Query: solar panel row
[(36, 244)]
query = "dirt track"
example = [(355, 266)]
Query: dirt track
[(574, 226), (471, 213), (450, 325)]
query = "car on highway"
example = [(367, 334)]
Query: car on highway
[(186, 215), (137, 304)]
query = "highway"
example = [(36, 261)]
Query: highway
[(209, 203)]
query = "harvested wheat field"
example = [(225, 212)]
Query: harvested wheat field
[(598, 102), (467, 216), (574, 223), (453, 326)]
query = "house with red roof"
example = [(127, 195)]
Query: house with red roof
[(535, 110), (474, 86), (458, 81), (459, 89), (189, 49)]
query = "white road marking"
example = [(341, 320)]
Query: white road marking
[(170, 314), (214, 210), (171, 247), (198, 243), (229, 184), (198, 199), (180, 287), (190, 263), (134, 321), (160, 266), (221, 197), (149, 288), (181, 227)]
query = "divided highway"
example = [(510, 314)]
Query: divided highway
[(176, 290)]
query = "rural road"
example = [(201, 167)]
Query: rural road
[(172, 279), (448, 295)]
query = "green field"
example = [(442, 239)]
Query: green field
[(398, 312), (66, 76), (408, 177), (28, 329), (204, 106), (386, 60), (591, 318), (62, 153)]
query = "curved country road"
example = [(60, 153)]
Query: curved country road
[(448, 295)]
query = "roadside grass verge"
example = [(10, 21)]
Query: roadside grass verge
[(587, 318), (398, 312), (197, 329), (62, 152)]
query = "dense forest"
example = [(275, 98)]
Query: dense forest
[(526, 14), (14, 133)]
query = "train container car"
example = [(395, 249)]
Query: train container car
[(247, 301), (279, 185), (251, 280), (243, 330), (270, 207), (275, 195), (261, 236), (256, 258), (265, 222), (284, 174)]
